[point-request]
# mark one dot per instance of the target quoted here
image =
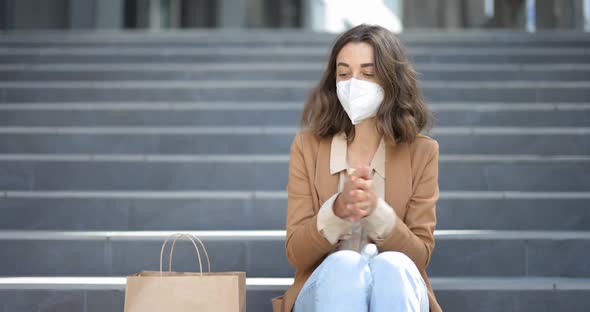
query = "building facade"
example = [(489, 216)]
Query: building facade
[(318, 15)]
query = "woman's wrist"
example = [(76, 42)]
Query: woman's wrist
[(337, 208)]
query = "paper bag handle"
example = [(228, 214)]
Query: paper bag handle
[(191, 238)]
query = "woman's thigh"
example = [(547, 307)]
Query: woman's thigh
[(397, 284), (340, 283)]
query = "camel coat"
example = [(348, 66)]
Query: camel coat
[(411, 188)]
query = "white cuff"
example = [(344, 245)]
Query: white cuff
[(330, 225), (381, 222)]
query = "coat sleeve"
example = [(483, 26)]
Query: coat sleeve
[(305, 245), (414, 235)]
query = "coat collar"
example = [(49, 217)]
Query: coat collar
[(338, 161)]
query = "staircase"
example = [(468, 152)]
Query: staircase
[(109, 142)]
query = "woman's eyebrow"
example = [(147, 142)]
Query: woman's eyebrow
[(362, 65)]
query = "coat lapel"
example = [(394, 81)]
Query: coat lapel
[(398, 176), (325, 183)]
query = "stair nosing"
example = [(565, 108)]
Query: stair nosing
[(250, 130), (286, 66), (275, 106), (280, 284), (278, 84), (265, 158), (301, 49), (276, 235), (244, 195)]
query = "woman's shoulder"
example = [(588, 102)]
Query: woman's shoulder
[(424, 145), (306, 139)]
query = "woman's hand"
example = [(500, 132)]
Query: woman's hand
[(357, 199)]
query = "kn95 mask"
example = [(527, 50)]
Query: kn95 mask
[(359, 98)]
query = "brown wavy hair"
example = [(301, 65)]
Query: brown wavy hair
[(403, 113)]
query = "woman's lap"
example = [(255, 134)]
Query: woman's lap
[(349, 281)]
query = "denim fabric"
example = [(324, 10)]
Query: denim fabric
[(367, 281)]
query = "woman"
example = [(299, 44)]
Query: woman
[(363, 184)]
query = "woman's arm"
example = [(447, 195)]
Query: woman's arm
[(414, 236), (305, 245)]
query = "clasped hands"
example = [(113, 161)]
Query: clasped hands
[(357, 199)]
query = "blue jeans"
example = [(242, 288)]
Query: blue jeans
[(349, 281)]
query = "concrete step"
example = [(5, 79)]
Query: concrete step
[(269, 172), (283, 54), (271, 71), (223, 210), (265, 71), (93, 294), (261, 36), (290, 50), (288, 91), (272, 105), (169, 172), (262, 253), (314, 41), (271, 114), (542, 141), (485, 294), (280, 37)]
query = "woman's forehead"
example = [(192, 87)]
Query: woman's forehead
[(355, 53)]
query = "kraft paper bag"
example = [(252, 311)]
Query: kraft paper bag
[(161, 291)]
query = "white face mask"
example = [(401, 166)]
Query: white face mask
[(359, 98)]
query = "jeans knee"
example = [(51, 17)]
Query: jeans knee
[(397, 283), (346, 269), (343, 264), (340, 283), (346, 260), (393, 262)]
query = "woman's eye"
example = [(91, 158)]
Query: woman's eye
[(342, 75), (370, 75)]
